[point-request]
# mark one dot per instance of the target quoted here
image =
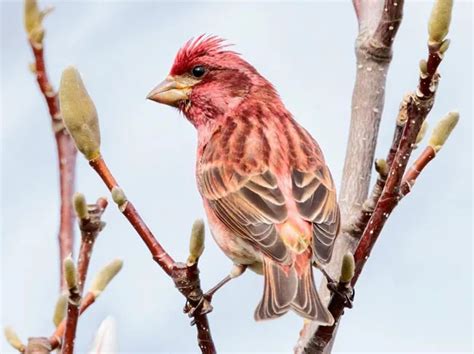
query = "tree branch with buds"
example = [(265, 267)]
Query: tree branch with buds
[(81, 120), (393, 183), (33, 20)]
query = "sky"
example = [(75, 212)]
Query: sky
[(415, 294)]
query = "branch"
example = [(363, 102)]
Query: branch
[(80, 118), (378, 25), (418, 105), (74, 300), (66, 150), (91, 225), (103, 278)]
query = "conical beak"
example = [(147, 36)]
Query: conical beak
[(170, 92)]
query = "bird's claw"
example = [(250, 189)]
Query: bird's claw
[(346, 292), (201, 308)]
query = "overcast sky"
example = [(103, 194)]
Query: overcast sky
[(416, 291)]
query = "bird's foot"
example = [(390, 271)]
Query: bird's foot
[(343, 290), (201, 307)]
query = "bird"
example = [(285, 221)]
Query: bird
[(268, 194)]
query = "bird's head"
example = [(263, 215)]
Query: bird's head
[(207, 80)]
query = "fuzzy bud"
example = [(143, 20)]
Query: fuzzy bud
[(13, 339), (70, 272), (347, 268), (118, 196), (60, 309), (440, 19), (381, 167), (422, 132), (79, 113), (444, 46), (80, 206), (442, 130), (196, 242), (105, 276), (423, 67)]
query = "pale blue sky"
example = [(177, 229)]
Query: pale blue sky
[(416, 291)]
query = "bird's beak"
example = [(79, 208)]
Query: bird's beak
[(171, 91)]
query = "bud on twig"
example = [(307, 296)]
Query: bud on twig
[(13, 339), (421, 133), (70, 272), (423, 67), (444, 46), (381, 167), (347, 268), (442, 130), (80, 206), (440, 19), (196, 242), (33, 20), (79, 113), (105, 276), (118, 196), (60, 309)]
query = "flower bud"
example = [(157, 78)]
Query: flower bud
[(13, 339), (196, 242), (60, 309), (422, 132), (442, 130), (381, 167), (105, 276), (440, 19), (347, 268), (70, 272), (80, 206), (79, 113)]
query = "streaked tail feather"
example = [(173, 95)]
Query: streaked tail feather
[(286, 291)]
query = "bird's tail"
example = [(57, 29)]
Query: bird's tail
[(289, 289)]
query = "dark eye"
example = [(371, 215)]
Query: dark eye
[(198, 71)]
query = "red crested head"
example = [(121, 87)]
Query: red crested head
[(207, 81), (195, 49)]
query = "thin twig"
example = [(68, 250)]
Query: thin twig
[(90, 229), (66, 151), (186, 278), (74, 301), (410, 177), (56, 338)]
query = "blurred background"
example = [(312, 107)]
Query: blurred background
[(414, 295)]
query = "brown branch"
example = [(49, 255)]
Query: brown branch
[(55, 338), (66, 152), (74, 300), (410, 177), (418, 105), (374, 54), (90, 228), (186, 278)]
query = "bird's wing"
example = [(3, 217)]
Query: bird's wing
[(315, 197), (249, 204)]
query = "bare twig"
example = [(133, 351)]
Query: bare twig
[(65, 146), (90, 227), (74, 300), (99, 284), (186, 278)]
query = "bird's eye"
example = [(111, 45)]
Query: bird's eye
[(198, 71)]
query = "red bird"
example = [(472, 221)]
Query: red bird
[(268, 194)]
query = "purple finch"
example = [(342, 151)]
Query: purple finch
[(268, 194)]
